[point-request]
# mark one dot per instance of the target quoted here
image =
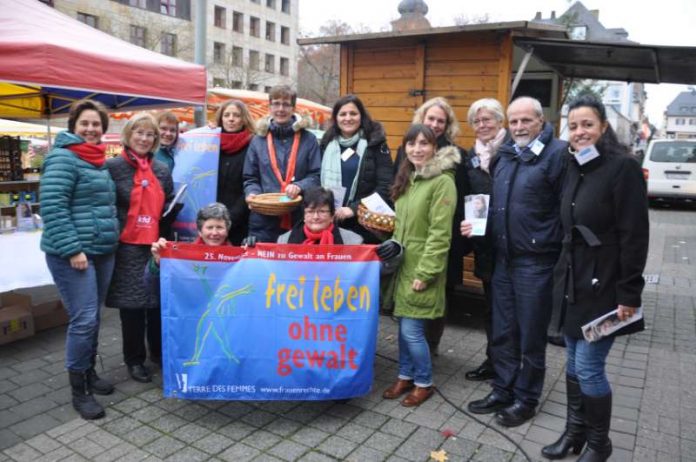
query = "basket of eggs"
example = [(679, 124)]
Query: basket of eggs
[(375, 221), (274, 204)]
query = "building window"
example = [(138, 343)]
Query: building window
[(168, 7), (269, 65), (254, 26), (220, 17), (267, 89), (253, 87), (270, 31), (236, 84), (271, 3), (138, 3), (218, 52), (237, 56), (253, 60), (285, 6), (692, 121), (256, 1), (237, 21), (285, 35), (284, 66), (679, 121), (218, 82), (88, 19), (138, 35), (168, 44)]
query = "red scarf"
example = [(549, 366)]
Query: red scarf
[(94, 154), (322, 237), (285, 220), (146, 202), (233, 143)]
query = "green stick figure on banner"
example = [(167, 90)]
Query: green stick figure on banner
[(222, 304), (197, 181)]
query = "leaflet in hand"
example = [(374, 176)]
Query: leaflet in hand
[(179, 197), (476, 212), (608, 324), (376, 204)]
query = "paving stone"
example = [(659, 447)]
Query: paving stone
[(8, 439), (213, 444), (316, 457), (142, 435), (354, 432), (311, 437), (43, 443), (370, 419), (261, 439), (148, 414), (86, 448), (28, 392), (336, 446), (487, 453), (239, 453), (384, 442), (362, 454), (34, 426), (22, 452), (237, 430), (164, 446), (283, 427), (289, 450), (460, 447), (398, 427), (167, 423)]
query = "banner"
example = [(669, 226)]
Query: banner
[(275, 322), (197, 157)]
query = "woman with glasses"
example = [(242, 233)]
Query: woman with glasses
[(143, 186)]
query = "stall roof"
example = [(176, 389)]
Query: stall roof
[(548, 30), (628, 62), (14, 128), (50, 59)]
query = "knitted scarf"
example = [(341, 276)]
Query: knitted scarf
[(146, 202), (331, 162), (323, 237), (94, 154), (233, 143), (487, 150)]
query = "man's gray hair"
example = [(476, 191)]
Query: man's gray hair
[(488, 104), (536, 105), (215, 211)]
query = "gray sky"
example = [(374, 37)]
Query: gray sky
[(664, 22)]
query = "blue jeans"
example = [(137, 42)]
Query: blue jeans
[(414, 353), (586, 361), (83, 293), (521, 309)]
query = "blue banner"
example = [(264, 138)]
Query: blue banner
[(278, 322), (197, 157)]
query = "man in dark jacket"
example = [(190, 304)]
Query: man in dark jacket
[(283, 157), (525, 228)]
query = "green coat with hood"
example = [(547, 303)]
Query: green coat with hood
[(78, 203), (424, 227)]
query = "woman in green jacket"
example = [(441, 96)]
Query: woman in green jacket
[(78, 206), (425, 197)]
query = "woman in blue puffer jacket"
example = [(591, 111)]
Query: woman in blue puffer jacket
[(78, 206)]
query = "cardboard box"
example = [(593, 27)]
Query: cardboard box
[(44, 304), (16, 322), (48, 315)]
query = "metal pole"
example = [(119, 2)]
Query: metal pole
[(200, 33)]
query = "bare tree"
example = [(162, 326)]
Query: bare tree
[(462, 19)]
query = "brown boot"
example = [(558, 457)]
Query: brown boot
[(418, 396), (397, 389)]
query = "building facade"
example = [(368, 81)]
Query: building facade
[(250, 44), (680, 116)]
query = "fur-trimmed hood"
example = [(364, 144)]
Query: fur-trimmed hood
[(301, 122), (444, 159)]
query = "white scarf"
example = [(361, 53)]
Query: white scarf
[(331, 162), (487, 150)]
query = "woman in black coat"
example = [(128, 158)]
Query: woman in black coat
[(356, 161), (604, 213), (237, 130)]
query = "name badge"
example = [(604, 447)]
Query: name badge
[(475, 162), (536, 147), (346, 154), (585, 155)]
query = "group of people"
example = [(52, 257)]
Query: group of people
[(567, 232)]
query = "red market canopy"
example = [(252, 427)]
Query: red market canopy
[(50, 60)]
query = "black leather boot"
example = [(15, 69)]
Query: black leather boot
[(98, 385), (82, 399), (597, 412), (574, 435)]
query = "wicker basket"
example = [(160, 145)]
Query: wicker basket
[(373, 220), (274, 204)]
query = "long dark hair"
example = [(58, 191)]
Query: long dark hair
[(366, 122), (607, 144), (402, 179)]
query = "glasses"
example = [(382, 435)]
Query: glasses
[(278, 104), (144, 134), (482, 121), (319, 213)]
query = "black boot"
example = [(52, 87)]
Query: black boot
[(82, 399), (98, 385), (574, 435), (597, 412)]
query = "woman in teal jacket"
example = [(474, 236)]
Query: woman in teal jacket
[(78, 206), (425, 198)]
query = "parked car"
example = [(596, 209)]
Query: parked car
[(670, 168)]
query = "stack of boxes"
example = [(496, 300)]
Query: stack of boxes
[(27, 311)]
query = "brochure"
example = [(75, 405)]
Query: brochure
[(178, 198), (608, 324), (476, 212), (375, 203)]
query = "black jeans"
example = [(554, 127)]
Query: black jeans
[(137, 326)]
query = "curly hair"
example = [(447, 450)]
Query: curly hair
[(452, 129)]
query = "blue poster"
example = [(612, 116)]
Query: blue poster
[(197, 157), (276, 322)]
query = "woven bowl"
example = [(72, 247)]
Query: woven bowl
[(271, 204), (373, 220)]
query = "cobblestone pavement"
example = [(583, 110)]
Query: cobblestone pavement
[(652, 373)]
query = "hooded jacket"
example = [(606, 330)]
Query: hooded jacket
[(258, 173), (78, 203), (424, 227)]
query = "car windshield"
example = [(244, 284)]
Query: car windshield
[(674, 151)]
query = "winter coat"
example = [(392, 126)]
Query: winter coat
[(341, 236), (524, 217), (604, 211), (424, 228), (127, 289), (78, 203), (165, 154), (230, 191), (258, 173), (376, 174)]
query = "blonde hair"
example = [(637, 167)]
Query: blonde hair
[(247, 121), (142, 119), (452, 128)]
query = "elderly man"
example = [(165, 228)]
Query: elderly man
[(525, 228), (283, 157)]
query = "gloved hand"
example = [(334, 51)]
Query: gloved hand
[(249, 241), (388, 249)]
